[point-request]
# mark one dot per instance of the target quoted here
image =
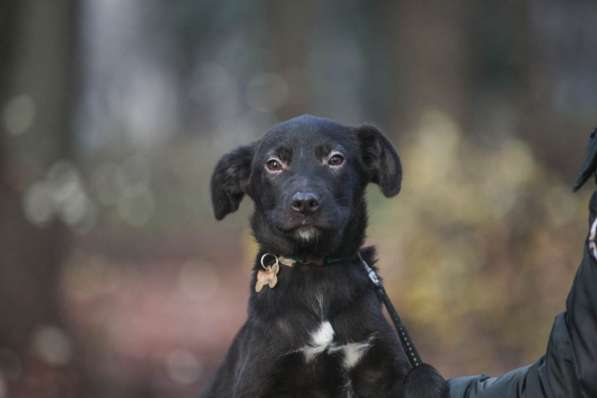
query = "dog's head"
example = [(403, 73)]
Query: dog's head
[(307, 178)]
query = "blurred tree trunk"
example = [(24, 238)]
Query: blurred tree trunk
[(499, 72), (557, 56), (36, 74), (431, 59), (290, 51)]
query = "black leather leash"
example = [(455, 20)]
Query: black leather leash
[(407, 344)]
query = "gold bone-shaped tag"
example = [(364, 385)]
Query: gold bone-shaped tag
[(267, 277)]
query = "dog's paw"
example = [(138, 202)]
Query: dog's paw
[(425, 382)]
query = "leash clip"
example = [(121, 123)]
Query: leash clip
[(373, 277)]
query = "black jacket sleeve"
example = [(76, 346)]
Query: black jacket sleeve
[(569, 367)]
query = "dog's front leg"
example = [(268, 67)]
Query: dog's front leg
[(380, 376), (425, 382), (253, 377), (254, 370), (383, 371), (248, 367), (379, 373)]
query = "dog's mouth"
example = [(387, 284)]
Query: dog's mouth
[(305, 227), (328, 219), (306, 233)]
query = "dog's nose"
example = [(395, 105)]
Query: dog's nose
[(305, 202)]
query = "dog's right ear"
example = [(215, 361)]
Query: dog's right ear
[(229, 180)]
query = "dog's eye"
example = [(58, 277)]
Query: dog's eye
[(336, 160), (273, 165)]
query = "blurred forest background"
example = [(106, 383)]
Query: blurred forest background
[(116, 281)]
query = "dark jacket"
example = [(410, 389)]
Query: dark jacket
[(569, 367)]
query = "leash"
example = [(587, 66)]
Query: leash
[(407, 344)]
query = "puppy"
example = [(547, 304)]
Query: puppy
[(315, 326)]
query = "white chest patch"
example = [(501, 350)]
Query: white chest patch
[(321, 340), (352, 353)]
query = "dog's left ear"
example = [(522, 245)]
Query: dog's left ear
[(229, 180), (380, 159)]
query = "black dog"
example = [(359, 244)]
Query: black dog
[(315, 326)]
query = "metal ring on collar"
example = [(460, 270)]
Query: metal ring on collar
[(264, 256)]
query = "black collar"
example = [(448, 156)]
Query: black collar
[(267, 259)]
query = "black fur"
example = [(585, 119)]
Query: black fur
[(268, 356)]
